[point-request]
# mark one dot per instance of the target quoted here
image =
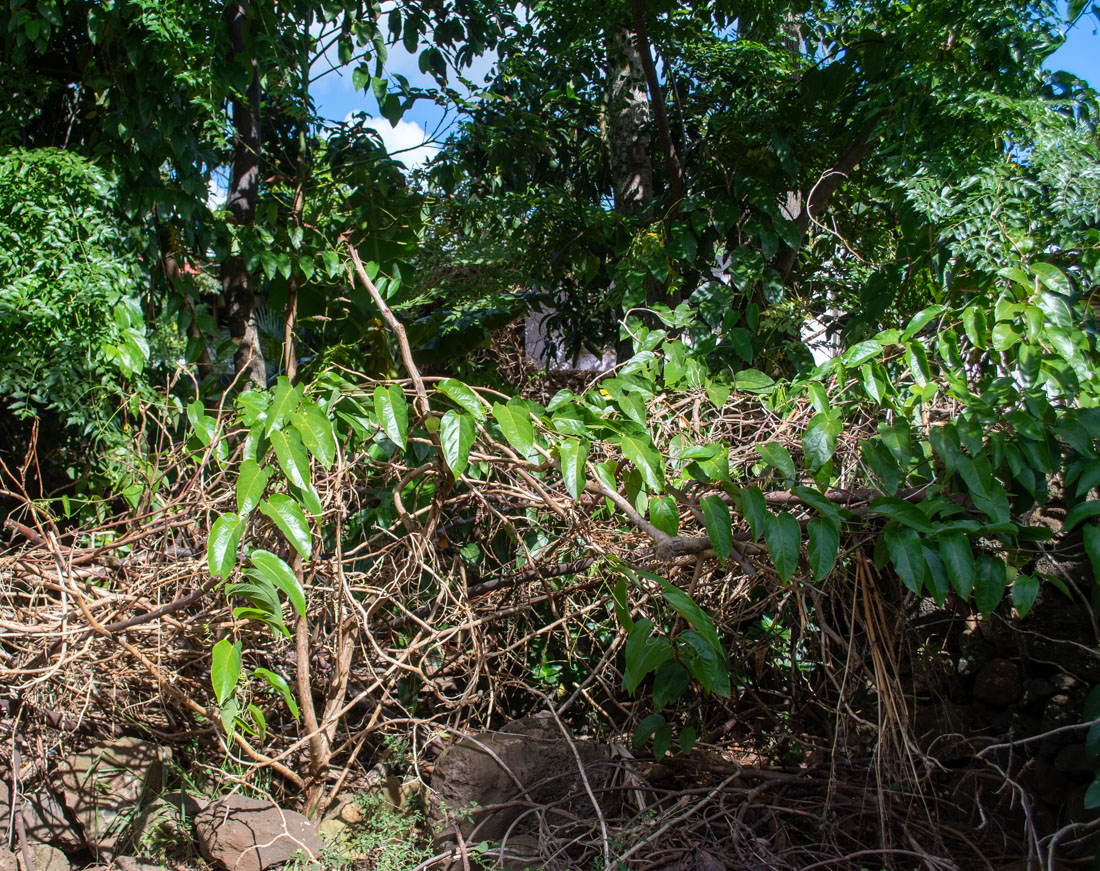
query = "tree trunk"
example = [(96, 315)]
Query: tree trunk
[(629, 147), (244, 181)]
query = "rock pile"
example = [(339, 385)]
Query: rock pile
[(110, 803)]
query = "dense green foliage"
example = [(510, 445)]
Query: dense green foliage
[(75, 345)]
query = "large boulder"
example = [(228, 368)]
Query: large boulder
[(105, 785), (468, 776), (249, 834)]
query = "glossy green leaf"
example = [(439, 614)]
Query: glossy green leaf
[(823, 546), (935, 576), (778, 457), (457, 431), (958, 560), (393, 413), (251, 482), (706, 663), (292, 456), (917, 360), (687, 608), (640, 451), (275, 571), (719, 525), (783, 536), (279, 683), (664, 514), (221, 548), (284, 401), (903, 512), (753, 381), (291, 520), (643, 654), (1025, 590), (861, 353), (819, 439), (515, 422), (573, 454), (904, 547), (464, 398), (921, 319), (1084, 511), (225, 669), (990, 581), (755, 509), (316, 432)]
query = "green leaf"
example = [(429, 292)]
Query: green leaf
[(622, 606), (316, 432), (221, 549), (755, 509), (664, 514), (818, 501), (917, 359), (204, 425), (291, 520), (719, 525), (935, 578), (633, 406), (883, 464), (225, 669), (823, 546), (259, 721), (819, 439), (705, 663), (783, 536), (1025, 589), (687, 739), (686, 607), (753, 381), (922, 319), (1091, 536), (278, 682), (465, 398), (669, 683), (861, 353), (958, 559), (283, 402), (292, 456), (573, 455), (1081, 512), (515, 422), (904, 547), (275, 571), (875, 380), (251, 483), (901, 511), (456, 432), (646, 729), (643, 654), (228, 717), (778, 457), (989, 584), (1092, 794), (640, 451), (393, 413)]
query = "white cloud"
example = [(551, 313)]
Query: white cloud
[(406, 142)]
